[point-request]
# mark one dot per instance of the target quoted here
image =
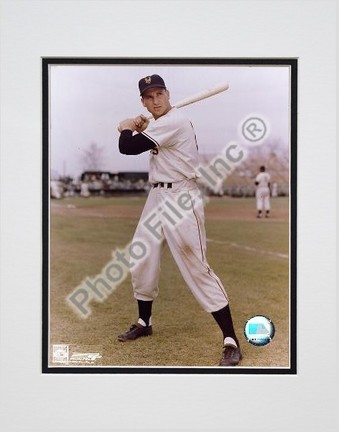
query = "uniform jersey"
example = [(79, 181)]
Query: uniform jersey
[(175, 156), (263, 179)]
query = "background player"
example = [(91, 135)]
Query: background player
[(171, 140), (263, 182)]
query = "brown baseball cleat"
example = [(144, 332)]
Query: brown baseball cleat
[(135, 332), (231, 356)]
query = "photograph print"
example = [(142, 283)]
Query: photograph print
[(169, 215)]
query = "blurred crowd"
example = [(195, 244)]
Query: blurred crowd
[(108, 184), (98, 184)]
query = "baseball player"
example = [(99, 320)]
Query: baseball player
[(263, 182), (171, 141)]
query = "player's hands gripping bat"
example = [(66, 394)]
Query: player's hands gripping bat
[(141, 123), (138, 124)]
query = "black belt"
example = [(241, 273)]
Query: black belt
[(162, 184)]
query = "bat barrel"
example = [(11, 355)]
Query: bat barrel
[(203, 95)]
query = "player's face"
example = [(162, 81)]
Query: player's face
[(156, 101)]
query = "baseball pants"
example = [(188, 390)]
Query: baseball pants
[(263, 198), (176, 215)]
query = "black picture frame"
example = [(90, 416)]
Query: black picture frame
[(46, 63)]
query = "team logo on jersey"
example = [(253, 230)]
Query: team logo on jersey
[(148, 80)]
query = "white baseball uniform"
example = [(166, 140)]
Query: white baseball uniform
[(174, 213), (263, 191)]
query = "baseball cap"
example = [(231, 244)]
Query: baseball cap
[(151, 81)]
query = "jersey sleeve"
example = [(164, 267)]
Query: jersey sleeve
[(164, 130), (130, 144)]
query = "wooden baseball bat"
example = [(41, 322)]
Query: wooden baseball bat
[(199, 96), (202, 95)]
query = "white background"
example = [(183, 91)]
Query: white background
[(31, 401)]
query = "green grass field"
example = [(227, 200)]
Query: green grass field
[(249, 255)]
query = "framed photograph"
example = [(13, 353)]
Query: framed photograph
[(127, 142), (260, 76)]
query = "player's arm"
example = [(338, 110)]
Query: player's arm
[(130, 144)]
